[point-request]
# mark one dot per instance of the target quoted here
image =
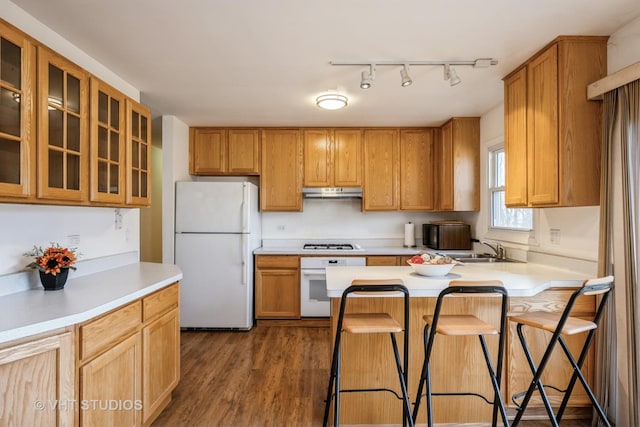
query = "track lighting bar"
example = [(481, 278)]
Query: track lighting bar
[(449, 72), (476, 63)]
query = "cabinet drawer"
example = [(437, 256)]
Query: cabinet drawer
[(277, 261), (106, 330), (160, 301), (382, 260)]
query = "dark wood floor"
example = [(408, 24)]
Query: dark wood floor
[(270, 376)]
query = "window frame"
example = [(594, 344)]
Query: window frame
[(517, 235)]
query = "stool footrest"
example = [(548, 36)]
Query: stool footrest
[(355, 390), (490, 402), (523, 393)]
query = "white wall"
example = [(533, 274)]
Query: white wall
[(23, 226), (175, 167), (623, 47), (340, 219)]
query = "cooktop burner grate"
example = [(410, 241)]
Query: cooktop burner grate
[(328, 246)]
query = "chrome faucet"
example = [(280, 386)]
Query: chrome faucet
[(497, 249)]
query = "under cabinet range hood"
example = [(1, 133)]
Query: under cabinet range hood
[(332, 193)]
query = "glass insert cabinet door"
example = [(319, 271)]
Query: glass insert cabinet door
[(139, 154), (17, 114), (62, 127), (107, 139)]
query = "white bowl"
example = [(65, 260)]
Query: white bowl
[(432, 269)]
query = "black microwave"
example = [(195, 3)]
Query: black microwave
[(446, 235)]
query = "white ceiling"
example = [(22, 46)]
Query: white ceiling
[(262, 63)]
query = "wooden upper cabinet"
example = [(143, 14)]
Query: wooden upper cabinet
[(281, 176), (458, 155), (445, 168), (221, 151), (560, 129), (318, 158), (208, 151), (347, 157), (542, 128), (63, 149), (243, 151), (515, 140), (138, 154), (332, 157), (417, 185), (381, 165), (107, 140), (17, 118)]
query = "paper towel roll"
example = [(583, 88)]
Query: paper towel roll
[(409, 235)]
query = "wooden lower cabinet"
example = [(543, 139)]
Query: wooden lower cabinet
[(110, 386), (37, 382), (129, 361), (277, 287), (387, 260), (160, 363), (457, 363)]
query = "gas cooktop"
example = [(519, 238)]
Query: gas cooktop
[(328, 246)]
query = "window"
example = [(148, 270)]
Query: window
[(501, 216)]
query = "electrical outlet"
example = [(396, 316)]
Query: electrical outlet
[(280, 227), (73, 240), (554, 236), (118, 220)]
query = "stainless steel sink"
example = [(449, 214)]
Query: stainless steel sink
[(475, 258), (472, 257)]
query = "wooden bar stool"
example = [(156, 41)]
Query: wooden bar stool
[(560, 324), (368, 323), (465, 325)]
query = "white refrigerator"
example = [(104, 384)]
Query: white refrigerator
[(217, 228)]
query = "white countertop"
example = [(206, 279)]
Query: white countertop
[(382, 250), (36, 311), (520, 279)]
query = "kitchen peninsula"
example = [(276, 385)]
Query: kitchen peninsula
[(109, 338), (457, 362)]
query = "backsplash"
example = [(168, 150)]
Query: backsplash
[(342, 219)]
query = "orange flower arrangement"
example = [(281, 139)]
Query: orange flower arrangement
[(52, 259)]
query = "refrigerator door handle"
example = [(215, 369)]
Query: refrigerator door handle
[(244, 207), (245, 263)]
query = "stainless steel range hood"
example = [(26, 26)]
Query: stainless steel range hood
[(332, 193)]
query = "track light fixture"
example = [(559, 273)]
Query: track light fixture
[(449, 71), (404, 74), (451, 75), (368, 77)]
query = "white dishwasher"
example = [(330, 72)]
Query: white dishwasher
[(314, 301)]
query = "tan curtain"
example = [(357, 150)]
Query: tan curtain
[(618, 376), (605, 377)]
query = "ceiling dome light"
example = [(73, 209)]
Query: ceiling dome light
[(404, 74), (331, 101)]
